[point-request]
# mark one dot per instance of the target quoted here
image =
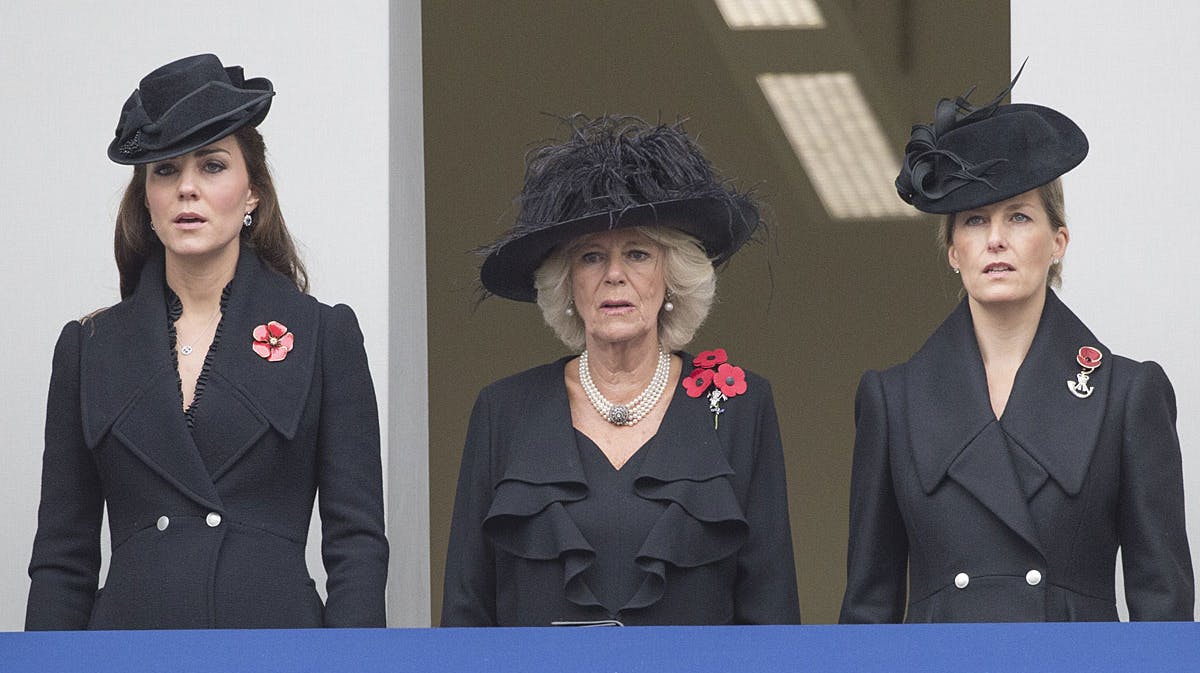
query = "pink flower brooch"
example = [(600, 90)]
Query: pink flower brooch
[(713, 368), (272, 341)]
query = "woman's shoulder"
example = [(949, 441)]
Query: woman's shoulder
[(1129, 373)]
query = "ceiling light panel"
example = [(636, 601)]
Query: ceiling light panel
[(771, 14), (839, 142)]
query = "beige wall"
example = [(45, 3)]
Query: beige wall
[(811, 309)]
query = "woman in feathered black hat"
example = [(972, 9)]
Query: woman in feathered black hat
[(632, 483), (207, 408), (998, 471)]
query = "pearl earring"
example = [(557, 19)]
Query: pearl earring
[(667, 305), (956, 271), (570, 308)]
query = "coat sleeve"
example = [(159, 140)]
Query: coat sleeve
[(766, 571), (350, 480), (65, 565), (877, 558), (469, 592), (1154, 547)]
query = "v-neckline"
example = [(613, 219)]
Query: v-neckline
[(671, 403), (628, 461)]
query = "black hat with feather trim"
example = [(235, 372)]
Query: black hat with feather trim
[(185, 105), (615, 172), (974, 156)]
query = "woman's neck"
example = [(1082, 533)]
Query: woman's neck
[(1005, 331), (623, 367), (198, 282)]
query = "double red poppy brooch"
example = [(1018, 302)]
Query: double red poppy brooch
[(713, 369), (272, 341), (1089, 358)]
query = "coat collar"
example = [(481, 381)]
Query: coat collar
[(947, 387), (1046, 432), (129, 385)]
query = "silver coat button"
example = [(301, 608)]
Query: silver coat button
[(162, 523), (1033, 578), (213, 519), (961, 580)]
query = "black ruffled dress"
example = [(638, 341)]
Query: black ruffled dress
[(692, 530)]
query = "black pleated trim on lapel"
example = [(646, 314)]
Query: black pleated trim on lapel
[(129, 386)]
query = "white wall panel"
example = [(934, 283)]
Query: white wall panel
[(1127, 74), (65, 69)]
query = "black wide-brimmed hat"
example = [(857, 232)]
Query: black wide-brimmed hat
[(185, 105), (615, 172), (973, 156)]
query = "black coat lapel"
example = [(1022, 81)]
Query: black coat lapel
[(1047, 423), (129, 387), (954, 431), (245, 391), (540, 452), (686, 445)]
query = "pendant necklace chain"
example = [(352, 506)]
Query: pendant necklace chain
[(187, 349), (637, 408)]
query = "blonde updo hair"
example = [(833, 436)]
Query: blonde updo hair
[(1053, 201), (690, 279)]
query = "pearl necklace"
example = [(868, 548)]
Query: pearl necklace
[(637, 408)]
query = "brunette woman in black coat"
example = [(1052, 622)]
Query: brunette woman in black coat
[(997, 472), (208, 408), (632, 483)]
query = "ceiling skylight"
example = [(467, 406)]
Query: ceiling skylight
[(771, 14), (839, 142)]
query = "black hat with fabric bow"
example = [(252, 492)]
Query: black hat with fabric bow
[(185, 105), (615, 172), (973, 156)]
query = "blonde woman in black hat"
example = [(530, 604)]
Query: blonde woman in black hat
[(998, 471), (632, 483), (206, 409)]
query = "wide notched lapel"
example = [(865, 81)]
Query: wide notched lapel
[(245, 393), (129, 387), (1051, 426), (542, 445), (954, 432)]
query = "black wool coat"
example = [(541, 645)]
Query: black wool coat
[(208, 525), (1016, 519), (719, 553)]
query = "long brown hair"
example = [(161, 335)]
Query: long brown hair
[(134, 242)]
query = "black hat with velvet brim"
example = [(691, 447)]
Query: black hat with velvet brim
[(974, 156), (612, 173), (185, 105)]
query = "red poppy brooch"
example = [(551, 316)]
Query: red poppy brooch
[(713, 369), (272, 341), (1089, 358)]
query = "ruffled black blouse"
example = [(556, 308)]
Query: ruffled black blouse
[(711, 530), (213, 458)]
